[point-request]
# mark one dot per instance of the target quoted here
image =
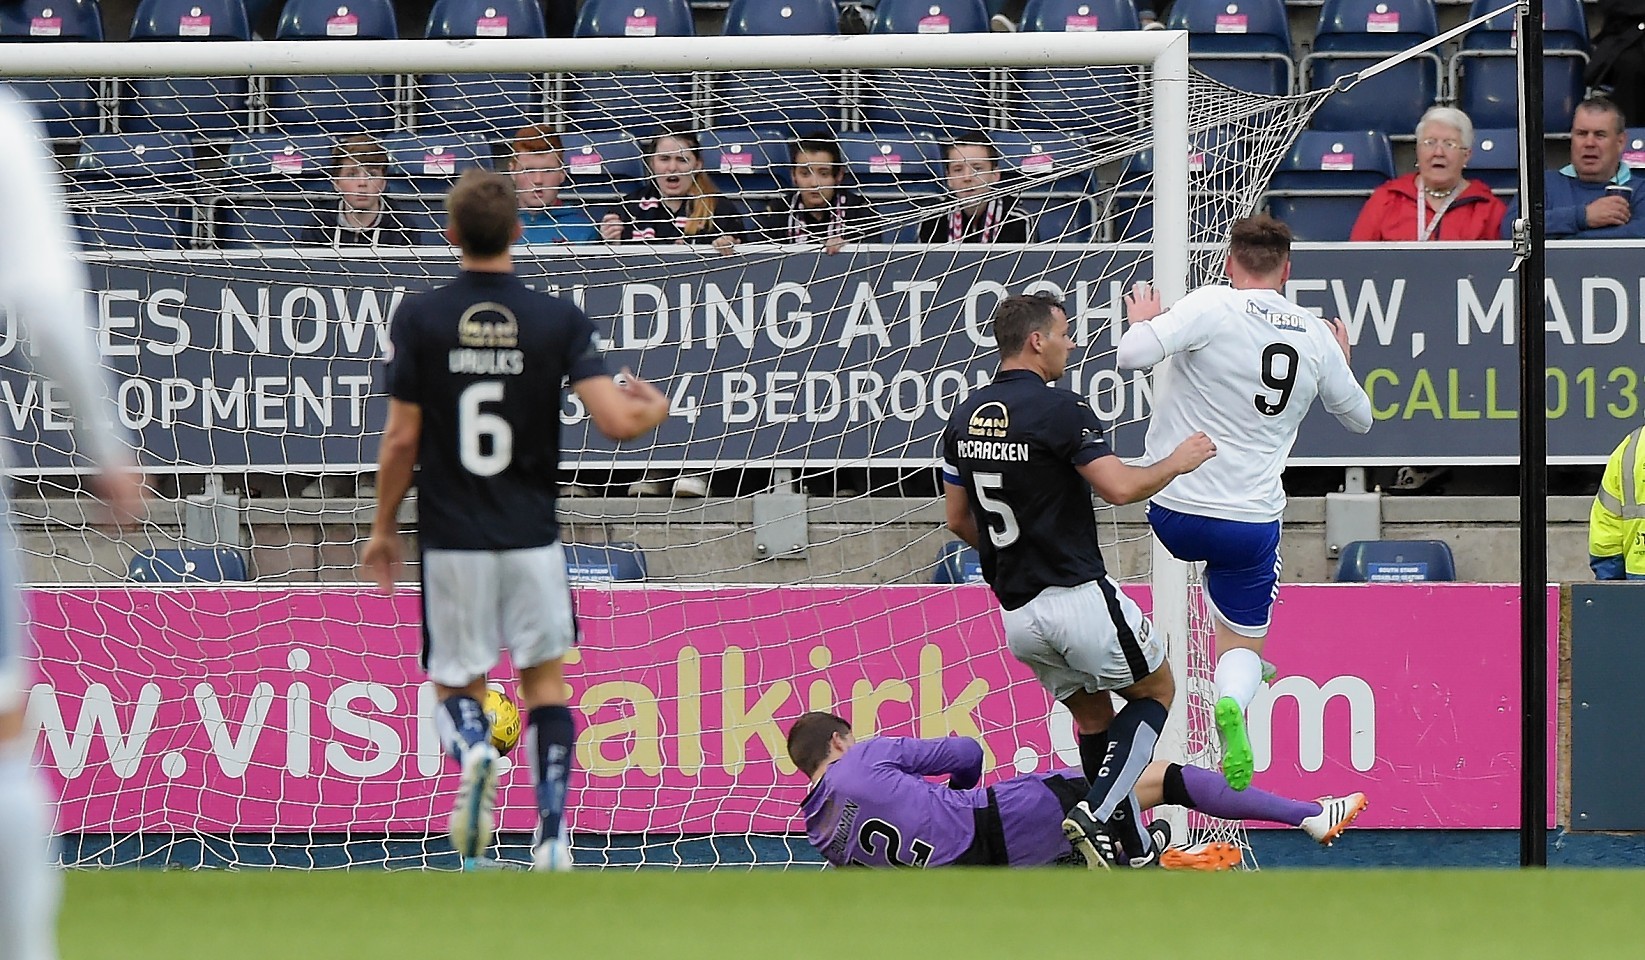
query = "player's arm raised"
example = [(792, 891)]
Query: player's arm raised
[(1118, 482), (622, 407)]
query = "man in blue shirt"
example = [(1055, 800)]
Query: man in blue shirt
[(1594, 197), (539, 172)]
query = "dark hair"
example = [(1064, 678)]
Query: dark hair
[(360, 150), (1260, 244), (1604, 105), (972, 138), (809, 739), (483, 212), (700, 211), (1017, 317), (817, 145)]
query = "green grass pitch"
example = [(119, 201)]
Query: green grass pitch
[(853, 915)]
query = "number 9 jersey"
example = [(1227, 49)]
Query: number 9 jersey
[(487, 360), (1014, 446), (1246, 366)]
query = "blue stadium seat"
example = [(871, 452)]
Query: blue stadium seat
[(211, 107), (1212, 154), (279, 163), (1494, 161), (189, 565), (1633, 147), (640, 103), (1073, 100), (1396, 561), (747, 160), (492, 105), (429, 163), (604, 562), (127, 191), (1245, 44), (335, 104), (251, 220), (894, 167), (602, 165), (795, 100), (957, 563), (1355, 34), (1061, 209), (68, 108), (1485, 76), (938, 100), (1324, 180)]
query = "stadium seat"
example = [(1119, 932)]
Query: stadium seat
[(604, 562), (1212, 156), (603, 165), (336, 104), (128, 191), (68, 108), (1485, 74), (894, 168), (794, 100), (936, 100), (1324, 180), (492, 105), (957, 563), (1061, 208), (1245, 44), (641, 103), (1354, 35), (250, 220), (277, 162), (748, 161), (429, 163), (210, 107), (1090, 101), (189, 565), (1396, 561), (1633, 148), (1494, 161)]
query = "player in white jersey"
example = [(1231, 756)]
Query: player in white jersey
[(44, 286), (1247, 365)]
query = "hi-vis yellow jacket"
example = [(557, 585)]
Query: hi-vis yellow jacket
[(1616, 525)]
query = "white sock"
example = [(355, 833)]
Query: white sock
[(28, 880), (1238, 674)]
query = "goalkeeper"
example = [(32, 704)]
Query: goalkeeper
[(870, 804)]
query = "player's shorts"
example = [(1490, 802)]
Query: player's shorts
[(478, 602), (1021, 825), (1241, 563), (1086, 638)]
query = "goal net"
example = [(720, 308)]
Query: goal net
[(215, 687)]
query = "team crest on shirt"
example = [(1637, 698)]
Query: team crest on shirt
[(989, 420), (488, 324)]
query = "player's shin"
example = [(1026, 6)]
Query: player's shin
[(461, 722), (1093, 747), (1238, 675), (553, 733), (1207, 792), (28, 882), (1131, 739)]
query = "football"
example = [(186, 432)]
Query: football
[(505, 720)]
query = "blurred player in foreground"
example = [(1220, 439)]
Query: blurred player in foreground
[(44, 286), (871, 805), (476, 372), (1020, 459), (1248, 365)]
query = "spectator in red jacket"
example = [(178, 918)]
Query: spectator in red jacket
[(1436, 202)]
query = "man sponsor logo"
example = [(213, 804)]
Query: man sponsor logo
[(990, 420), (488, 324)]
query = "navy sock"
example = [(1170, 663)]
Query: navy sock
[(1093, 747), (1131, 740), (461, 723), (553, 734)]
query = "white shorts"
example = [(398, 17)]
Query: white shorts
[(1091, 637), (477, 602)]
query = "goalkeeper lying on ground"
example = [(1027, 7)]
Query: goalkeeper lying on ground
[(870, 804)]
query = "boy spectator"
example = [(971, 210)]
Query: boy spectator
[(362, 216), (820, 209), (538, 169), (971, 170)]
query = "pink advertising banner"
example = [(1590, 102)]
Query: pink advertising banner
[(220, 710)]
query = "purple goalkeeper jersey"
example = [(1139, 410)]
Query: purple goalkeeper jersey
[(874, 807)]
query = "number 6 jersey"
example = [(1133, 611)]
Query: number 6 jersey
[(1014, 446), (1247, 366), (487, 359)]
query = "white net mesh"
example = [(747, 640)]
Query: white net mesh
[(242, 307)]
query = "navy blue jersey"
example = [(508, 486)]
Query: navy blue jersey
[(1014, 445), (488, 360)]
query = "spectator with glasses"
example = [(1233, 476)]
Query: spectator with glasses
[(1436, 203)]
